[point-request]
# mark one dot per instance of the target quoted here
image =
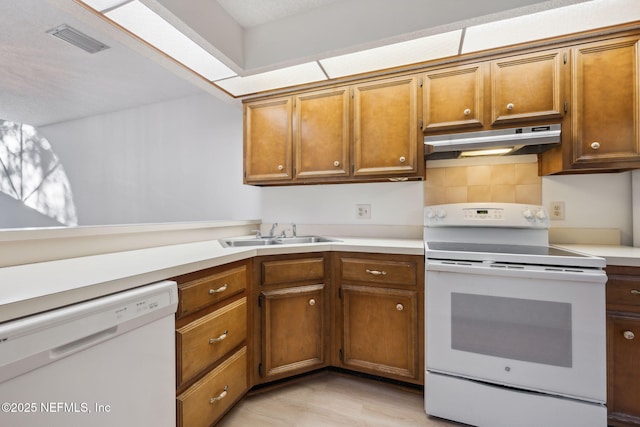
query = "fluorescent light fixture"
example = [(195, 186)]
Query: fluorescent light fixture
[(394, 55), (550, 23), (150, 27), (490, 152), (299, 74)]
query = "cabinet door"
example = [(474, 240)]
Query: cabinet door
[(294, 336), (623, 370), (268, 140), (526, 87), (386, 127), (380, 330), (321, 134), (605, 105), (453, 98)]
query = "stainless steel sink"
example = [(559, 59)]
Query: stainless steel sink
[(264, 241)]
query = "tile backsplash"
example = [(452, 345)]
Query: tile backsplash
[(507, 180)]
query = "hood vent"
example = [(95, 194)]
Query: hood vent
[(523, 140), (78, 39)]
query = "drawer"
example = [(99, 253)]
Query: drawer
[(206, 401), (295, 270), (198, 294), (379, 271), (624, 290), (206, 340)]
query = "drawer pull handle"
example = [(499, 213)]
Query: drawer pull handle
[(220, 396), (629, 335), (635, 292), (220, 289), (376, 272), (312, 302), (399, 307), (220, 338)]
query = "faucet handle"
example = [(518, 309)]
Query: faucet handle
[(258, 235), (293, 229)]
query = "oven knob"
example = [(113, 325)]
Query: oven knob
[(527, 213), (541, 215), (441, 213), (431, 214)]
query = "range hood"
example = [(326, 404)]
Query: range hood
[(521, 140)]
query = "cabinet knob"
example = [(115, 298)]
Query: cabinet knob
[(376, 272), (510, 106), (402, 159), (467, 111), (217, 291), (336, 163), (220, 338), (312, 302), (595, 145), (220, 396), (629, 335), (399, 307), (280, 167)]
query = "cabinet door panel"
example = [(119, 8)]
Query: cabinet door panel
[(321, 134), (453, 98), (268, 140), (294, 336), (526, 88), (623, 373), (605, 103), (385, 127), (380, 333)]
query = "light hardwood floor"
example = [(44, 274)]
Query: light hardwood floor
[(333, 399)]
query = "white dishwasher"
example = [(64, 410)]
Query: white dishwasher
[(103, 362)]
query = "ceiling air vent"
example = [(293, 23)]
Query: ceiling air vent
[(78, 39)]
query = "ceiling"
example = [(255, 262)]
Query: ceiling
[(45, 80)]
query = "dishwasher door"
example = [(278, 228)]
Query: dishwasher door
[(104, 362)]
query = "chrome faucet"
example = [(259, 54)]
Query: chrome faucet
[(273, 229), (293, 228)]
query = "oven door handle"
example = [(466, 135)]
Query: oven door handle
[(518, 270)]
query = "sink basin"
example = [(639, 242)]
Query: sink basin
[(264, 241)]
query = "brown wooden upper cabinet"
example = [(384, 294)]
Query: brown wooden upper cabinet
[(510, 90), (364, 132), (601, 129), (267, 140), (453, 98)]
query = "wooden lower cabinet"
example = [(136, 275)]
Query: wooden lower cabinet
[(292, 321), (623, 346), (380, 310), (202, 404), (211, 343)]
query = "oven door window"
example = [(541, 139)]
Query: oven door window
[(512, 328)]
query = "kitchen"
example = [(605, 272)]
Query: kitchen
[(178, 160)]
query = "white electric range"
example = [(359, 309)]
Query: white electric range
[(515, 328)]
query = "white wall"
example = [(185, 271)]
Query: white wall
[(174, 161), (592, 201), (635, 198), (392, 203)]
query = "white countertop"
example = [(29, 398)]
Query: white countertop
[(613, 254), (32, 288)]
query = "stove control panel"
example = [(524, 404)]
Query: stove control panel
[(513, 215)]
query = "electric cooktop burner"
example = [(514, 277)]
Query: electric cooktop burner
[(502, 249)]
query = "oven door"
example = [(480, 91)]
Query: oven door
[(529, 327)]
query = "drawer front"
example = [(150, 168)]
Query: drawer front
[(207, 400), (204, 292), (204, 341), (623, 290), (379, 271), (291, 271)]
